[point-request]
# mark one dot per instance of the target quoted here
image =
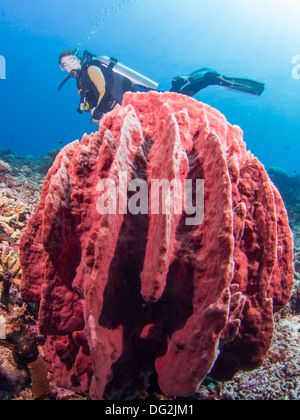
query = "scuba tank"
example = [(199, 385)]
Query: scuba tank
[(133, 76)]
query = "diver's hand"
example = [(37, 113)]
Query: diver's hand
[(96, 116)]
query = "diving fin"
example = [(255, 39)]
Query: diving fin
[(200, 79), (241, 85)]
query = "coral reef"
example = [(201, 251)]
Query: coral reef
[(277, 379), (4, 167), (27, 165), (19, 337), (289, 187), (19, 195), (125, 296), (295, 300)]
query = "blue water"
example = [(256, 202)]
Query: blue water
[(161, 39)]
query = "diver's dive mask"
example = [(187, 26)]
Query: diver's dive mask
[(69, 63)]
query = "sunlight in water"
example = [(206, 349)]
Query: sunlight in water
[(279, 14)]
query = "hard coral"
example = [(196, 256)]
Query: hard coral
[(16, 206), (10, 277), (124, 295), (4, 167), (10, 268)]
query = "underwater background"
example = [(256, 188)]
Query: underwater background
[(249, 39)]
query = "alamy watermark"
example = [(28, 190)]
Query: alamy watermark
[(160, 197), (296, 68), (2, 67)]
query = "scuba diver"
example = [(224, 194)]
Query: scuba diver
[(102, 82)]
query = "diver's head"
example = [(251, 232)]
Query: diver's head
[(69, 61)]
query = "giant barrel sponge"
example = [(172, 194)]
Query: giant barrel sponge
[(123, 295)]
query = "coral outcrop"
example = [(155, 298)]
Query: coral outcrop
[(289, 187), (21, 181), (126, 294), (4, 167)]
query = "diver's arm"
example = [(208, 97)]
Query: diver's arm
[(96, 76)]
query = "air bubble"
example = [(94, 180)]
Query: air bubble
[(119, 7)]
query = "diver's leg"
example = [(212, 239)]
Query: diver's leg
[(140, 88), (178, 82), (194, 82)]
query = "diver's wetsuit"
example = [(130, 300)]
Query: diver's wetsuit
[(104, 88)]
